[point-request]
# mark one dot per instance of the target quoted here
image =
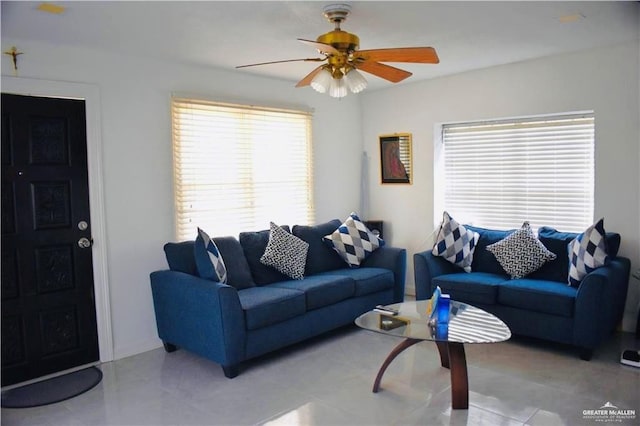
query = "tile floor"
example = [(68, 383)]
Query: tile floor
[(327, 381)]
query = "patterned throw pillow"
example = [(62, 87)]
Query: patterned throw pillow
[(587, 252), (353, 241), (521, 252), (208, 259), (285, 252), (455, 243)]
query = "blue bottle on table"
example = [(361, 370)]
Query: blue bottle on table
[(443, 308)]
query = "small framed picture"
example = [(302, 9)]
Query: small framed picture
[(395, 158)]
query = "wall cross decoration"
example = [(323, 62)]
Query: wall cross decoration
[(13, 52)]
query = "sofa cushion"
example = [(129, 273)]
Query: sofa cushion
[(353, 241), (264, 306), (180, 257), (521, 253), (367, 280), (320, 257), (238, 274), (455, 243), (484, 260), (254, 244), (474, 287), (209, 261), (557, 242), (587, 252), (321, 290), (548, 297), (285, 252)]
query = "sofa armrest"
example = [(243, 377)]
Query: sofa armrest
[(202, 316), (426, 267), (394, 259), (600, 302)]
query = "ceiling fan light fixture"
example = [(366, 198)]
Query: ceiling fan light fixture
[(338, 88), (322, 81), (356, 81)]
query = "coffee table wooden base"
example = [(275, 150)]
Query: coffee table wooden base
[(394, 353), (451, 356)]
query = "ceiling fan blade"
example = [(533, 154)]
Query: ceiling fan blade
[(322, 47), (307, 80), (280, 62), (422, 55), (387, 72)]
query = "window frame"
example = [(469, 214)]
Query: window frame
[(537, 144), (248, 167)]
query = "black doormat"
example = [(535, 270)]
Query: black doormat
[(52, 390)]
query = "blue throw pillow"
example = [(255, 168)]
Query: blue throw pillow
[(353, 241), (209, 261), (455, 243), (587, 252)]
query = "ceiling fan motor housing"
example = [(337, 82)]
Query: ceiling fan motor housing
[(341, 40)]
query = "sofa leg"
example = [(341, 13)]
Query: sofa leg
[(169, 347), (230, 371), (585, 354)]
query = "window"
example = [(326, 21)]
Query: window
[(237, 167), (502, 173)]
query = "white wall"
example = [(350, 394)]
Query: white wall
[(604, 80), (136, 143), (137, 163)]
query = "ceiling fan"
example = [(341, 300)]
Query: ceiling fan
[(343, 59)]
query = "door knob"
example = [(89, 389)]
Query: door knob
[(84, 243)]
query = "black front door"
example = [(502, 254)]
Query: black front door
[(48, 308)]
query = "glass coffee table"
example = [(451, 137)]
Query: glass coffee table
[(467, 324)]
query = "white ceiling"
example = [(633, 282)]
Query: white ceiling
[(466, 35)]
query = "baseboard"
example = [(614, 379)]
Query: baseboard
[(140, 347)]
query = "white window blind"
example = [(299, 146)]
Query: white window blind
[(237, 167), (500, 174)]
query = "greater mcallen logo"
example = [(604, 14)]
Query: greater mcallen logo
[(609, 413)]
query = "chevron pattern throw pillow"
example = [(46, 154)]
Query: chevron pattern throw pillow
[(285, 252), (521, 252)]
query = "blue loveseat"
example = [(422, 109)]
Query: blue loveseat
[(541, 304), (260, 310)]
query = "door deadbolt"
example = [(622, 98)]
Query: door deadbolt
[(82, 225), (84, 243)]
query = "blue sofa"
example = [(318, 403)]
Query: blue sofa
[(540, 305), (260, 310)]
